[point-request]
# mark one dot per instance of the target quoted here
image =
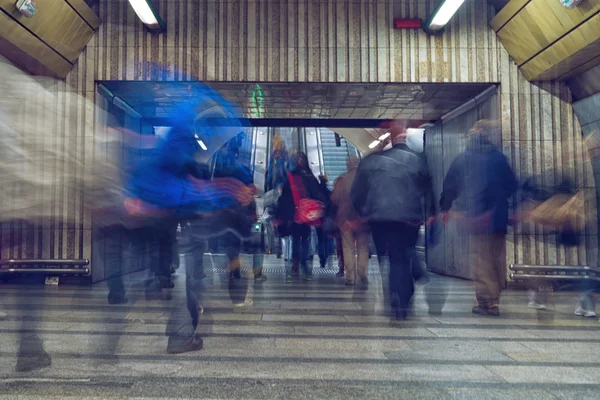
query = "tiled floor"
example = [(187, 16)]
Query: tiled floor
[(316, 339)]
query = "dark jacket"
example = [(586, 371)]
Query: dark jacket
[(480, 181), (286, 207), (391, 186)]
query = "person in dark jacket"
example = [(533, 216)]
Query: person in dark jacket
[(286, 208), (481, 181), (389, 191), (324, 243)]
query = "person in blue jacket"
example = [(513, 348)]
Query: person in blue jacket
[(480, 181)]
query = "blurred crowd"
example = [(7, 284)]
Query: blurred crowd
[(170, 202)]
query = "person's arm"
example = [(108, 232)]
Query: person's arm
[(509, 180), (358, 192), (429, 197), (452, 186), (335, 195)]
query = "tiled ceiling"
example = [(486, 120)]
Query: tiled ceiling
[(421, 102)]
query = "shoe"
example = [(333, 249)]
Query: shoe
[(200, 309), (289, 279), (158, 295), (364, 281), (536, 306), (585, 313), (29, 363), (401, 314), (339, 274), (395, 300), (323, 264), (349, 283), (307, 277), (192, 344), (493, 310), (260, 277), (3, 315), (117, 300), (167, 284), (245, 303)]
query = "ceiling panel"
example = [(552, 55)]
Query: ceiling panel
[(303, 100)]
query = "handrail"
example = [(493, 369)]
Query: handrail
[(57, 271), (525, 267), (554, 277), (69, 261)]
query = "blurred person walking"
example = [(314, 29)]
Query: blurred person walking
[(483, 181), (389, 191), (301, 190), (323, 240), (354, 231)]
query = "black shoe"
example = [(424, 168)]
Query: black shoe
[(401, 314), (323, 264), (395, 300), (167, 284), (27, 363), (117, 300), (158, 295), (192, 344)]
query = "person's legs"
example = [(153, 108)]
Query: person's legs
[(340, 254), (403, 237), (305, 237), (348, 250), (185, 316), (380, 238), (498, 246), (167, 237), (485, 273), (296, 238), (323, 244), (108, 252), (362, 250)]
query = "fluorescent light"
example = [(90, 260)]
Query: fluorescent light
[(202, 145), (147, 14), (374, 144), (442, 15), (384, 136)]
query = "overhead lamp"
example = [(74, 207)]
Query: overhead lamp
[(374, 144), (442, 15), (148, 15), (202, 145), (384, 136)]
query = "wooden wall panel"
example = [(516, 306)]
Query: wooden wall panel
[(567, 54), (57, 24), (321, 41), (547, 40), (27, 51)]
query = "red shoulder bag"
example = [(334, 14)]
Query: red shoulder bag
[(308, 211)]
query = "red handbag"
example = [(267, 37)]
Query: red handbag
[(308, 211)]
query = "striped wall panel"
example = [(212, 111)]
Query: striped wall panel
[(317, 41)]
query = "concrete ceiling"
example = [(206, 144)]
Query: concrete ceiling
[(371, 101)]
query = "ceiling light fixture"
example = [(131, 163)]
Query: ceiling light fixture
[(442, 15), (384, 136), (374, 144), (148, 15), (202, 145)]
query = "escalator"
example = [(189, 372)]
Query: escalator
[(334, 157)]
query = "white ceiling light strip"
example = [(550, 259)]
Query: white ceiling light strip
[(443, 14)]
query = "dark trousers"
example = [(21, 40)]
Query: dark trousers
[(323, 245), (301, 247), (185, 317), (397, 240)]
